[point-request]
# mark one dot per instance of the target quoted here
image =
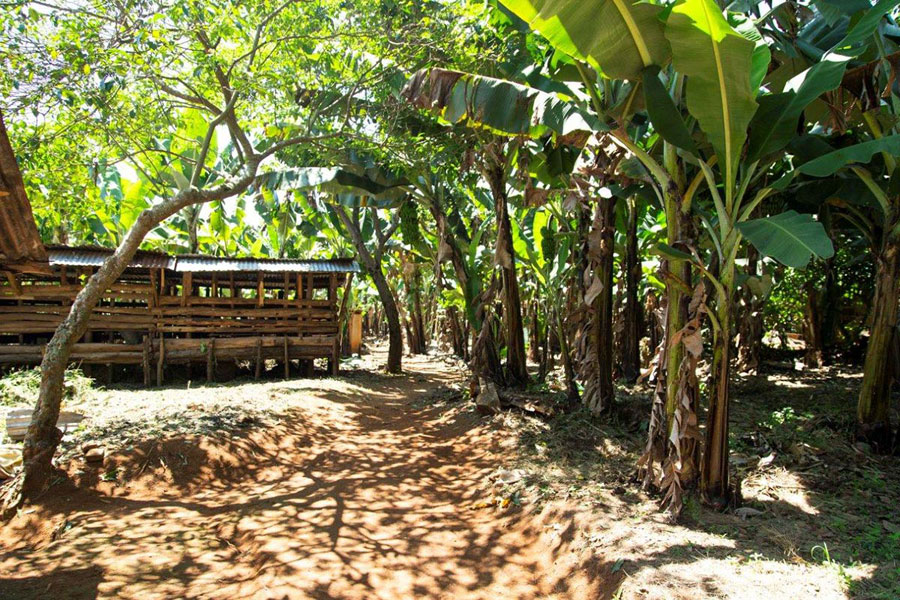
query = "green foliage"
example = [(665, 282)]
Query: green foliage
[(790, 238), (21, 387)]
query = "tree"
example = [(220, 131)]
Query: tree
[(178, 58)]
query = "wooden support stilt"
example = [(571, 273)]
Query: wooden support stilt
[(146, 361), (259, 360), (211, 360), (287, 359), (334, 363), (161, 363)]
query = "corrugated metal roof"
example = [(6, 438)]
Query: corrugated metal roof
[(19, 237), (92, 256), (208, 264)]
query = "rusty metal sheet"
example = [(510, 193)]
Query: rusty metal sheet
[(92, 256), (19, 237)]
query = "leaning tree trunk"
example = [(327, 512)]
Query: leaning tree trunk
[(874, 408), (516, 365), (42, 437), (631, 335)]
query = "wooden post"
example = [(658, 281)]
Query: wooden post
[(299, 290), (355, 332), (154, 284), (211, 360), (231, 286), (259, 361), (335, 361), (146, 361), (214, 293), (260, 290), (161, 363), (187, 285), (287, 359)]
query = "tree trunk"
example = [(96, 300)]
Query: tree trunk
[(631, 335), (517, 371), (812, 324), (385, 294), (602, 330), (750, 322), (43, 437), (483, 356), (874, 408), (534, 350), (714, 476)]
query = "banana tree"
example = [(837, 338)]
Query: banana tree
[(870, 95), (716, 72), (509, 109)]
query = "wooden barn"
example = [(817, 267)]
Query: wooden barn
[(164, 310)]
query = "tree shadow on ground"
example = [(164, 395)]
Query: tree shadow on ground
[(355, 493), (824, 505)]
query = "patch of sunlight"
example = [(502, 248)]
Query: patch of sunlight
[(788, 383), (783, 486)]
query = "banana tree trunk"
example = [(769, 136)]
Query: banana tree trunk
[(873, 409), (812, 324), (486, 361), (631, 336), (750, 322), (602, 329), (512, 305), (714, 476)]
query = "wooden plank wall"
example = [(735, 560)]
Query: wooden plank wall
[(294, 317)]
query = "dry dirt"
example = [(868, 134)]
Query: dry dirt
[(369, 486)]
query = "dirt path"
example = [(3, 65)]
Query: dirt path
[(361, 490)]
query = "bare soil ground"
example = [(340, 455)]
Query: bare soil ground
[(373, 486)]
